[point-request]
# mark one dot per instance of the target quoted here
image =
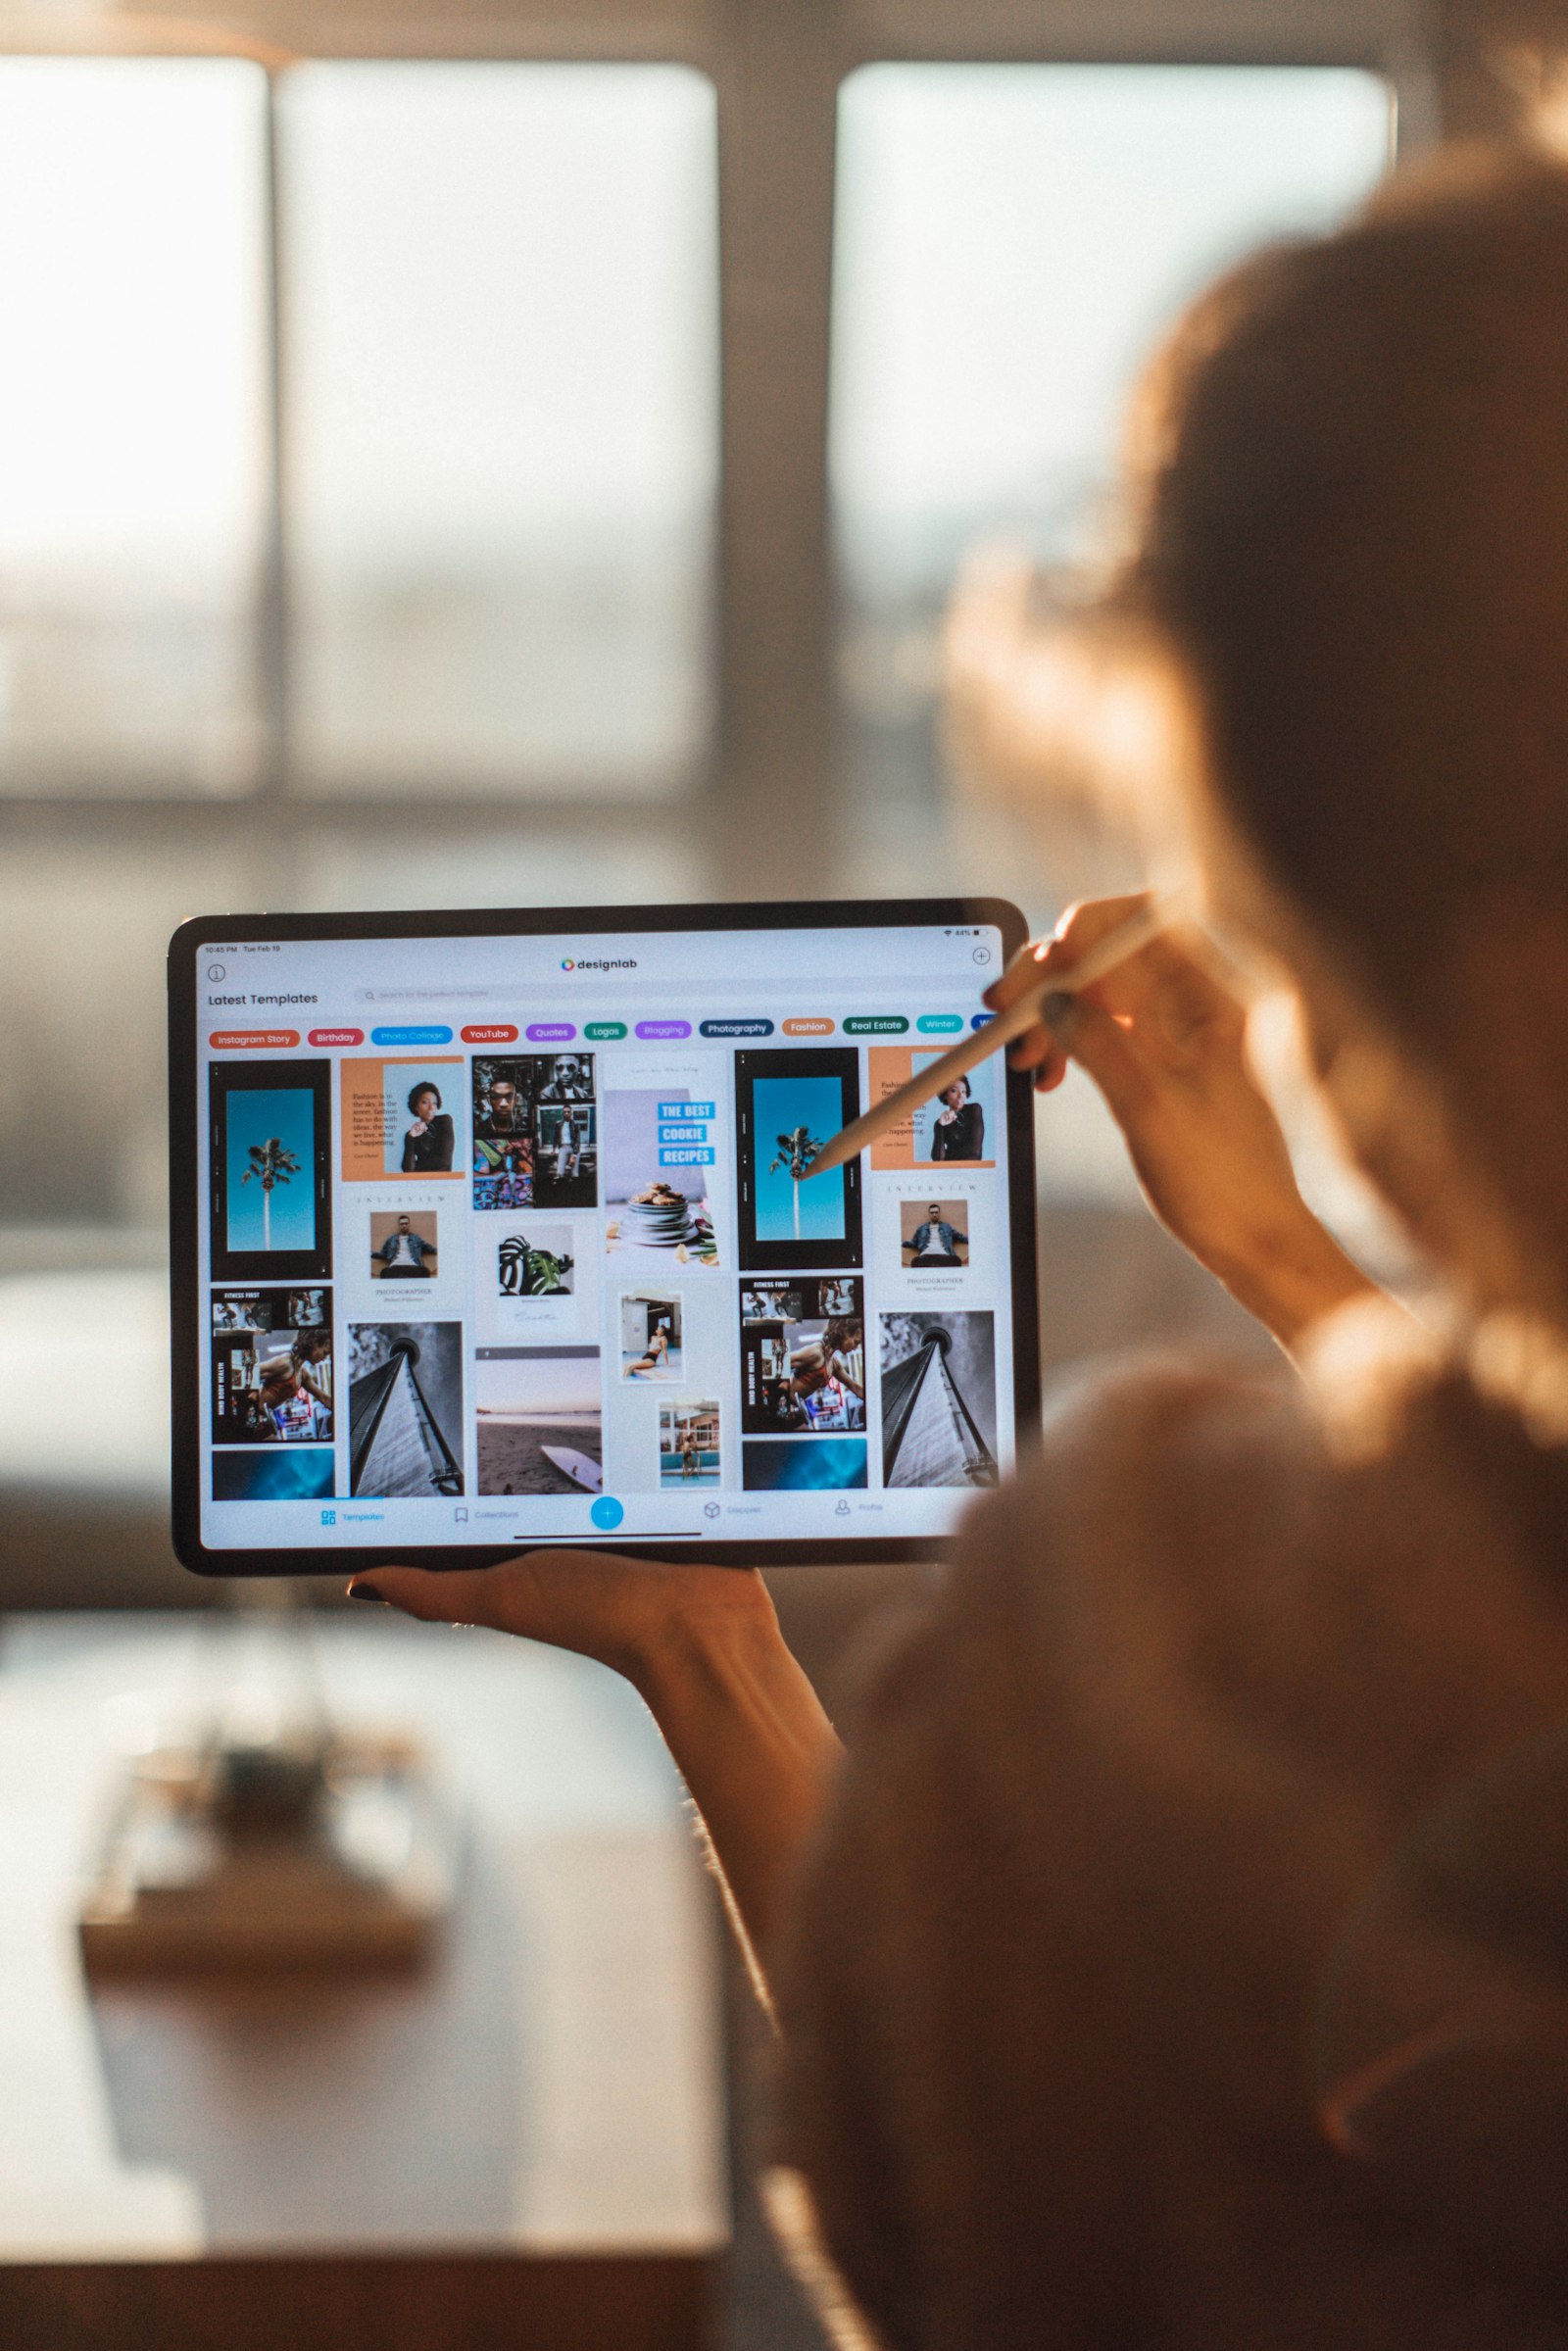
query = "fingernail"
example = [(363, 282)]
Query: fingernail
[(367, 1591), (1060, 1011), (1044, 948)]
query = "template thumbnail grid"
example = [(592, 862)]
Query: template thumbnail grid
[(489, 1280)]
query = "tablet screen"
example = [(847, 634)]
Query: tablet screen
[(514, 1239)]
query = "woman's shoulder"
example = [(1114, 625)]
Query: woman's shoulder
[(1203, 1524), (1157, 1472)]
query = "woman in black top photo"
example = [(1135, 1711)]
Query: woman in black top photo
[(960, 1132), (428, 1142)]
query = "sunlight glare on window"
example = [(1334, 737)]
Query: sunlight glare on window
[(132, 421), (1009, 242), (502, 365)]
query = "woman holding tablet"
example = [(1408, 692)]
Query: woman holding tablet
[(1175, 1960)]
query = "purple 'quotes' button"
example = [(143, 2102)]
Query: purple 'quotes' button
[(659, 1031), (551, 1032)]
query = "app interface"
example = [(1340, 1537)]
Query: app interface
[(518, 1240)]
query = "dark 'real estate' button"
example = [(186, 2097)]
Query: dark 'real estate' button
[(737, 1028), (875, 1024)]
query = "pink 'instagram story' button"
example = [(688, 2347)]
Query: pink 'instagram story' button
[(658, 1032), (337, 1036)]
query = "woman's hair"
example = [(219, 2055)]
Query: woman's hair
[(1353, 525), (1051, 1975), (424, 1086)]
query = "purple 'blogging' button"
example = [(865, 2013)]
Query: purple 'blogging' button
[(660, 1029), (551, 1032)]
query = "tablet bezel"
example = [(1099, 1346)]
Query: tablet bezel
[(575, 922)]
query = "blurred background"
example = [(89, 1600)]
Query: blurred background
[(467, 453)]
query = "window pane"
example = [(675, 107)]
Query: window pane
[(502, 368), (131, 424), (1010, 243), (1010, 240)]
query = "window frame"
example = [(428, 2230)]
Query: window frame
[(766, 791)]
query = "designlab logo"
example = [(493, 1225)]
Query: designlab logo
[(599, 963)]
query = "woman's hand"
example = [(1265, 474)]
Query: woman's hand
[(1165, 1043), (701, 1644)]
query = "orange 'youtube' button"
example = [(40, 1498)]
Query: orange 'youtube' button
[(278, 1041), (813, 1025), (337, 1036), (498, 1032)]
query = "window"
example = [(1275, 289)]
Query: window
[(500, 347), (133, 426), (1009, 242), (496, 292)]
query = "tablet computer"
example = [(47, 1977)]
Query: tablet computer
[(493, 1231)]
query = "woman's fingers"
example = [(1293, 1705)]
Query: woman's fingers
[(1107, 1050), (1039, 1052), (463, 1595), (1082, 927), (600, 1603)]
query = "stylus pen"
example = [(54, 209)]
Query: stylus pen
[(1103, 958)]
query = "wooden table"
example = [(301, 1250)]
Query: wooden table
[(523, 2145)]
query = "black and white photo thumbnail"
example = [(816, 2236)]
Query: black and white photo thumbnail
[(939, 1399), (405, 1409)]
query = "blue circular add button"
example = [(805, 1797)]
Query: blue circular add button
[(607, 1512)]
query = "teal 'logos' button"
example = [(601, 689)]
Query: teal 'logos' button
[(875, 1024), (604, 1032), (940, 1024)]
